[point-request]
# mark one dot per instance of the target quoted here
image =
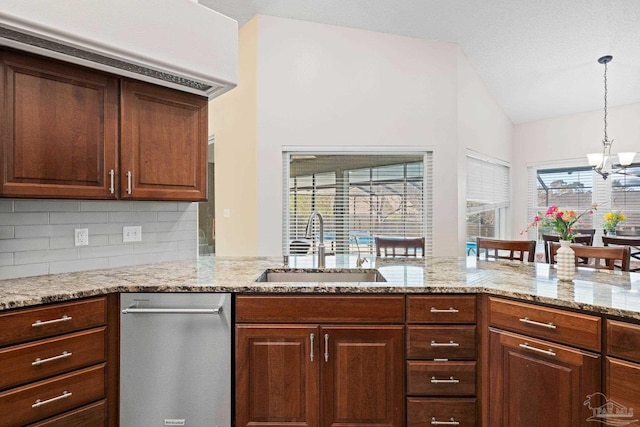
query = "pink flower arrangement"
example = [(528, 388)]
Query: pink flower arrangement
[(562, 221)]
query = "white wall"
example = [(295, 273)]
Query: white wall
[(327, 86), (322, 86), (565, 138), (483, 127)]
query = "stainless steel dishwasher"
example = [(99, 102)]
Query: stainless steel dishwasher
[(175, 359)]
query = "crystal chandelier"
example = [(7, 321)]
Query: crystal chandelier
[(602, 163)]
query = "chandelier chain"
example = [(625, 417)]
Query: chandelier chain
[(606, 138)]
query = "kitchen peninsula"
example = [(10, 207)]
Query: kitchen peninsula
[(447, 339)]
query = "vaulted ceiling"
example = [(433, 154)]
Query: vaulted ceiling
[(538, 58)]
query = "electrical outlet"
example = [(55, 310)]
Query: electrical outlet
[(132, 234), (82, 236)]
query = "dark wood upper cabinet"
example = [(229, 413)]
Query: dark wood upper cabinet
[(163, 143), (72, 132), (59, 129)]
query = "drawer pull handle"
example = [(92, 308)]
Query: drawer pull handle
[(111, 186), (326, 347), (453, 422), (450, 380), (533, 322), (63, 355), (444, 344), (64, 318), (311, 338), (39, 402), (539, 350), (128, 182), (448, 310)]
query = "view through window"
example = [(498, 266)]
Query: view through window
[(360, 196), (487, 198)]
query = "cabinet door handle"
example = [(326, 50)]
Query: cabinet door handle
[(39, 402), (111, 176), (326, 347), (539, 350), (450, 380), (444, 344), (312, 338), (39, 361), (453, 422), (128, 182), (533, 322), (447, 310), (64, 318)]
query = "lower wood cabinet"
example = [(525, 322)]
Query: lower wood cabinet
[(537, 383), (310, 361), (319, 375)]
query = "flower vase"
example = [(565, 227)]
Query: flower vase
[(566, 259)]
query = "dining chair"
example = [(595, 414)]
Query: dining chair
[(586, 239), (513, 246), (399, 246), (634, 247), (597, 253)]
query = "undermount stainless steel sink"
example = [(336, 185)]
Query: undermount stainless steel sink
[(306, 275)]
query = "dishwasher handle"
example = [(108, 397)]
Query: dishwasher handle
[(171, 310)]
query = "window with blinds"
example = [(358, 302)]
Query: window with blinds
[(625, 194), (360, 196), (487, 197), (566, 187)]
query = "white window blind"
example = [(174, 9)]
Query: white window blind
[(625, 194), (360, 196), (488, 195)]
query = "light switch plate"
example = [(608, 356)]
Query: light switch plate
[(81, 236), (132, 234)]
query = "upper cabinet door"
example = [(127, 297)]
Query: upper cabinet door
[(59, 129), (163, 143)]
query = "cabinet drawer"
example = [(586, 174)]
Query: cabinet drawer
[(441, 378), (441, 342), (45, 321), (623, 340), (565, 327), (25, 363), (433, 412), (43, 399), (622, 381), (94, 415), (320, 309), (441, 309)]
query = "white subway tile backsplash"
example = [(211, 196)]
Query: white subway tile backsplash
[(137, 259), (132, 217), (78, 218), (24, 231), (155, 206), (42, 205), (6, 205), (26, 270), (24, 218), (37, 236), (177, 255), (19, 245), (141, 248), (6, 258), (7, 232), (106, 206), (78, 265), (34, 257), (105, 251)]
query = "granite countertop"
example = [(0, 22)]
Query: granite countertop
[(614, 293)]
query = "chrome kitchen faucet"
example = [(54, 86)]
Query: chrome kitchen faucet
[(321, 255)]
